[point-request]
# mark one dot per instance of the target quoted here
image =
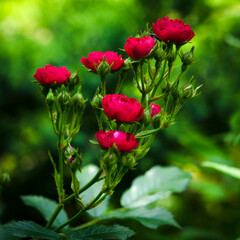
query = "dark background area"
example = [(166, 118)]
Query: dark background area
[(36, 33)]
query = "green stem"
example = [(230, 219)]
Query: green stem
[(135, 69), (157, 70), (160, 80), (122, 77), (168, 91), (89, 184), (103, 85), (54, 215), (79, 213), (61, 174), (144, 103), (71, 197), (90, 223)]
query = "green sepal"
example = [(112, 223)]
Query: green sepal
[(147, 133)]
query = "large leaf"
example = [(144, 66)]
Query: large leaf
[(30, 229), (232, 171), (155, 184), (46, 207), (4, 235), (86, 174), (149, 217), (99, 232)]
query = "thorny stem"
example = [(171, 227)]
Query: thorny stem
[(71, 197), (79, 213)]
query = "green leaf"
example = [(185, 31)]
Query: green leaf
[(147, 133), (100, 232), (30, 229), (149, 217), (232, 171), (155, 184), (86, 174), (46, 207)]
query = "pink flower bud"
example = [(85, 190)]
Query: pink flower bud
[(122, 108), (172, 30), (94, 59), (155, 109), (50, 75), (125, 142), (72, 158), (139, 47)]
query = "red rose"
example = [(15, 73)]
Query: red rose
[(139, 47), (155, 109), (95, 58), (172, 30), (49, 75), (122, 108), (125, 142)]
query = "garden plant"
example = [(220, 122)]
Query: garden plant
[(127, 127)]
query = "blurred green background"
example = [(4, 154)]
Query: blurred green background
[(60, 32)]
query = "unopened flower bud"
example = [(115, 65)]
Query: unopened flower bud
[(147, 116), (63, 98), (131, 162), (141, 152), (171, 57), (160, 55), (97, 99), (73, 158), (78, 99), (187, 59), (189, 91), (156, 121), (109, 160), (50, 99), (103, 68), (73, 80)]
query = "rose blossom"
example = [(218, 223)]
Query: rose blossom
[(172, 30), (125, 142), (95, 58), (139, 47), (155, 109), (122, 108), (49, 75)]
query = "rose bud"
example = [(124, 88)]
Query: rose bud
[(169, 30), (139, 47), (155, 109), (122, 108), (124, 142), (50, 75), (94, 59)]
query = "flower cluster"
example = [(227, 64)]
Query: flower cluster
[(122, 120)]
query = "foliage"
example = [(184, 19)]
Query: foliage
[(207, 129)]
